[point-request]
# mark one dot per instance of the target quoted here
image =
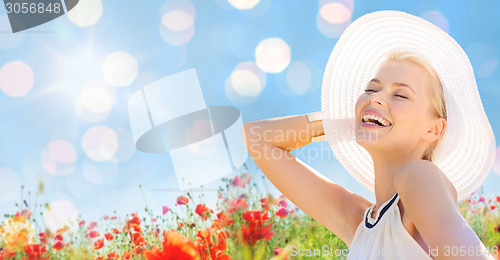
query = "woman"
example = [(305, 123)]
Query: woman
[(402, 114)]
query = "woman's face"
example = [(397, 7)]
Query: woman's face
[(398, 98)]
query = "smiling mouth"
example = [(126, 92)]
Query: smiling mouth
[(375, 120)]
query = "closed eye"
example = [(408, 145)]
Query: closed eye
[(371, 90)]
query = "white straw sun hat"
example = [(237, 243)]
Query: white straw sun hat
[(467, 149)]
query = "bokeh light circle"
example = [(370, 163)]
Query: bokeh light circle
[(16, 78), (59, 214), (483, 58), (272, 55), (243, 4), (10, 185), (95, 100), (335, 13), (349, 4), (59, 158), (298, 77), (126, 146), (100, 143), (86, 13), (177, 20), (438, 19), (62, 151), (120, 69), (245, 83)]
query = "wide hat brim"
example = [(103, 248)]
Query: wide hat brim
[(467, 149)]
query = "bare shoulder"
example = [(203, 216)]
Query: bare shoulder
[(423, 177), (431, 205)]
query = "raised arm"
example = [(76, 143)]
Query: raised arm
[(269, 143)]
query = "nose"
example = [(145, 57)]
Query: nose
[(375, 98)]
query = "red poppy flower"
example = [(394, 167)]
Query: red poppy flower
[(136, 228), (255, 216), (113, 256), (165, 210), (135, 220), (278, 250), (92, 225), (116, 231), (254, 230), (253, 233), (182, 200), (203, 211), (492, 207), (25, 212), (99, 243), (237, 204), (264, 203), (81, 223), (92, 234), (126, 255), (498, 199), (58, 245), (175, 246), (181, 224), (5, 254), (222, 220), (282, 212), (59, 237), (282, 202), (35, 251), (212, 249), (108, 236), (43, 237), (241, 180)]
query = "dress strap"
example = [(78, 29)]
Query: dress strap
[(381, 212)]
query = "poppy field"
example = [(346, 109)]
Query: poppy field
[(246, 224)]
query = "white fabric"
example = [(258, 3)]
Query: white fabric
[(467, 150), (388, 239)]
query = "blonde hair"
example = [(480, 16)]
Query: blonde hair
[(436, 93)]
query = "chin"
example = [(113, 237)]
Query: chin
[(367, 137)]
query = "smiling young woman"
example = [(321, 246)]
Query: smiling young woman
[(402, 114)]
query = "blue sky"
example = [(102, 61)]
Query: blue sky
[(48, 129)]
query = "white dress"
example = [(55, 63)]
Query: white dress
[(385, 237)]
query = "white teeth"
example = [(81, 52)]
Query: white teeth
[(379, 119)]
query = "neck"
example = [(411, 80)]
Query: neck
[(386, 167)]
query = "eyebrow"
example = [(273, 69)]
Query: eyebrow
[(399, 84)]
